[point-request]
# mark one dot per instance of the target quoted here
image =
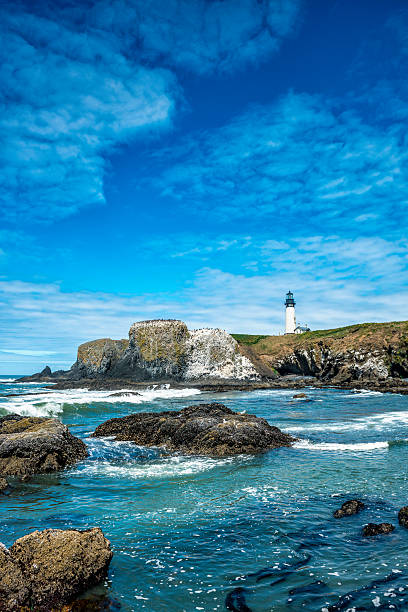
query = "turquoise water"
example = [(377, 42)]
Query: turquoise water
[(192, 533)]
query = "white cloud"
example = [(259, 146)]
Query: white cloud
[(76, 82), (327, 162), (336, 282)]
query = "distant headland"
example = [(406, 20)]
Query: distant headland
[(368, 355)]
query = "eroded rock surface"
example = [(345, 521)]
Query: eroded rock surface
[(205, 429), (350, 507), (30, 445), (46, 569), (14, 592)]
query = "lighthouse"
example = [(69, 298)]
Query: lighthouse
[(290, 318)]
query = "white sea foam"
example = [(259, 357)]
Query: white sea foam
[(363, 393), (375, 422), (160, 468), (334, 446), (48, 402), (7, 380)]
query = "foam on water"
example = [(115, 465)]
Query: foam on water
[(52, 403), (112, 459), (374, 422), (334, 446)]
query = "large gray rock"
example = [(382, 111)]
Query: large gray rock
[(47, 569), (205, 429), (30, 445)]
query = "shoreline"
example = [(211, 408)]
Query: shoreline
[(289, 382)]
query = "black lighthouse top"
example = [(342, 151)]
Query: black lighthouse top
[(289, 299)]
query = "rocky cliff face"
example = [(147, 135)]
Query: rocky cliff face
[(166, 350), (98, 356), (369, 352)]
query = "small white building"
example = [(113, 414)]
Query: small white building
[(290, 317)]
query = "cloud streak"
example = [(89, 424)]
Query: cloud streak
[(301, 159), (76, 81)]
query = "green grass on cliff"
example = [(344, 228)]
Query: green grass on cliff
[(248, 338), (263, 342)]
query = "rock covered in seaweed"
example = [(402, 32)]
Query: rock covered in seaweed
[(403, 516), (46, 569), (205, 429), (372, 529), (14, 591), (350, 507), (30, 445)]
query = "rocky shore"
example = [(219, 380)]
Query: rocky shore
[(367, 356), (205, 429)]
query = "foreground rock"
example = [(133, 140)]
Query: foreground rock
[(371, 529), (30, 445), (205, 429), (353, 506), (46, 569)]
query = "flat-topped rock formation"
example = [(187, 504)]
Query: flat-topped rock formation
[(33, 445), (160, 350), (205, 429)]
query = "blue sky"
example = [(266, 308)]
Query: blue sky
[(196, 159)]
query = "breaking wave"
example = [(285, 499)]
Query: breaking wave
[(112, 459), (336, 446), (52, 403)]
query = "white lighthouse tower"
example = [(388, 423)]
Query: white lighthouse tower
[(290, 317)]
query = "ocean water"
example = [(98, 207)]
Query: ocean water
[(196, 533)]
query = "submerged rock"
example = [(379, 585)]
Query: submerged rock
[(353, 506), (205, 429), (403, 516), (299, 395), (30, 445), (236, 600), (46, 569), (371, 529)]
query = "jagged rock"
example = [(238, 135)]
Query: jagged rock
[(371, 529), (353, 506), (46, 569), (299, 395), (3, 484), (14, 592), (31, 445), (403, 516), (205, 429)]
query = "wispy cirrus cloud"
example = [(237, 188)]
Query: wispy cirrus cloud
[(303, 158), (78, 80)]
